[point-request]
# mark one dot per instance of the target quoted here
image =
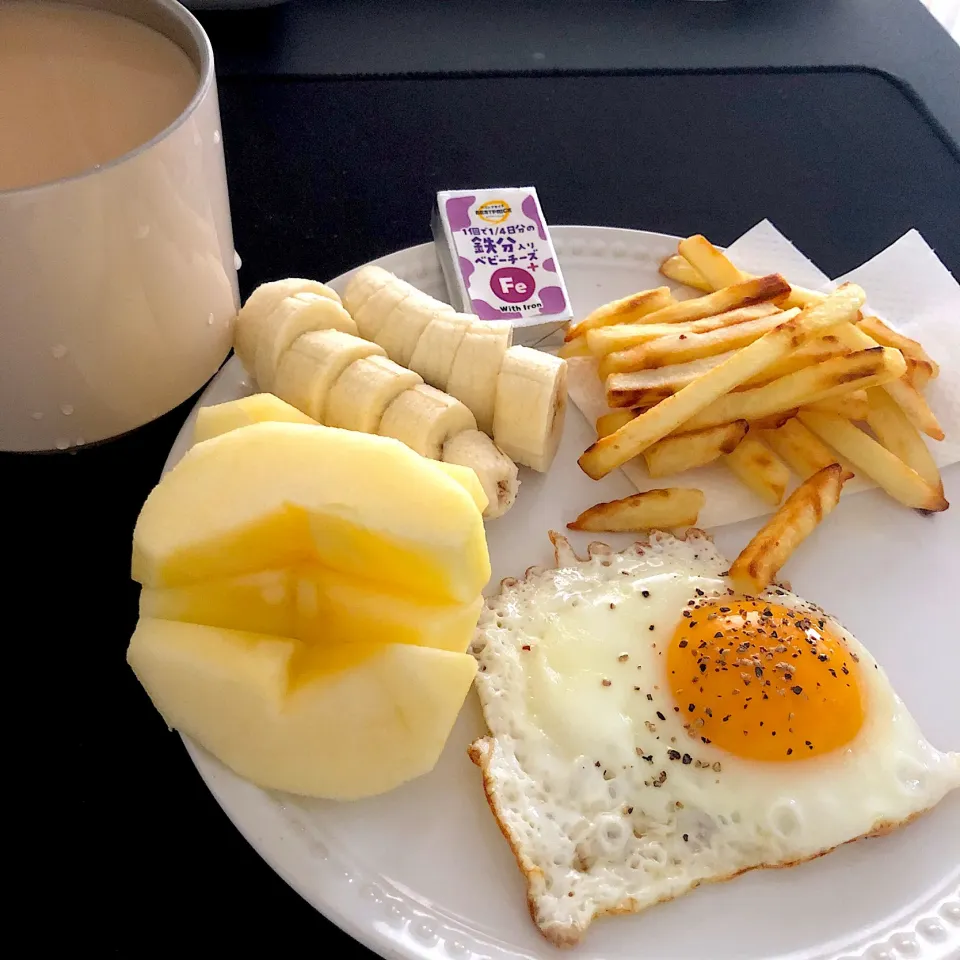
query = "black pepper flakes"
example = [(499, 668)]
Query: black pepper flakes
[(644, 593), (660, 715), (605, 683), (673, 754), (686, 759), (797, 689), (682, 644), (623, 658)]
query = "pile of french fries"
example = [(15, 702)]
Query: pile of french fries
[(764, 376)]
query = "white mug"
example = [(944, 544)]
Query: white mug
[(118, 286)]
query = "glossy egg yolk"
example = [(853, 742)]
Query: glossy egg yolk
[(763, 682)]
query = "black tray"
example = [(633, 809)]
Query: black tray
[(324, 174), (843, 161)]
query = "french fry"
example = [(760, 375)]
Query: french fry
[(850, 406), (772, 422), (806, 355), (886, 469), (643, 388), (625, 335), (712, 264), (912, 350), (681, 348), (892, 428), (759, 468), (906, 395), (574, 348), (919, 372), (654, 424), (663, 509), (626, 310), (758, 290), (802, 451), (611, 422), (677, 269), (915, 406), (855, 371), (761, 559), (684, 451)]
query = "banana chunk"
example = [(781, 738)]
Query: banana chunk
[(261, 303), (308, 370), (476, 366), (362, 393), (401, 331), (437, 347), (530, 406), (363, 285), (374, 313), (424, 418), (294, 316), (496, 472)]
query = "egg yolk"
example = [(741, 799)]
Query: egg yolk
[(763, 682)]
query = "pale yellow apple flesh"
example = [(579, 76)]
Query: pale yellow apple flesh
[(276, 495), (339, 722)]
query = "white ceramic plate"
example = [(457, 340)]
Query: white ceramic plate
[(423, 872)]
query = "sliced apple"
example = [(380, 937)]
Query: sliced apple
[(318, 605), (263, 602), (342, 723), (259, 408), (277, 495)]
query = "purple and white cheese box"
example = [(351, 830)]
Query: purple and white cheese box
[(498, 259)]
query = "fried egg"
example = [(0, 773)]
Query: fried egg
[(650, 730)]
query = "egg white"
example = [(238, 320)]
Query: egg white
[(608, 803)]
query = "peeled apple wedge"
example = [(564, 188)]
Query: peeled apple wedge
[(317, 605), (424, 418), (437, 347), (530, 406), (313, 364), (262, 602), (362, 393), (294, 317), (276, 495), (261, 303), (259, 408), (338, 722), (476, 366)]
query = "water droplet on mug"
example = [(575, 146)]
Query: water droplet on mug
[(62, 444), (237, 262), (66, 409), (37, 415), (80, 441), (216, 136), (59, 351), (143, 231)]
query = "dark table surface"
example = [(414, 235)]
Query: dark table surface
[(126, 852)]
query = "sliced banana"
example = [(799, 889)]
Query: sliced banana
[(363, 392), (312, 365), (424, 418), (374, 313), (437, 347), (363, 285), (530, 406), (401, 331), (294, 316), (261, 303), (496, 472), (473, 376)]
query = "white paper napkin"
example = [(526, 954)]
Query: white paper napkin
[(907, 286)]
